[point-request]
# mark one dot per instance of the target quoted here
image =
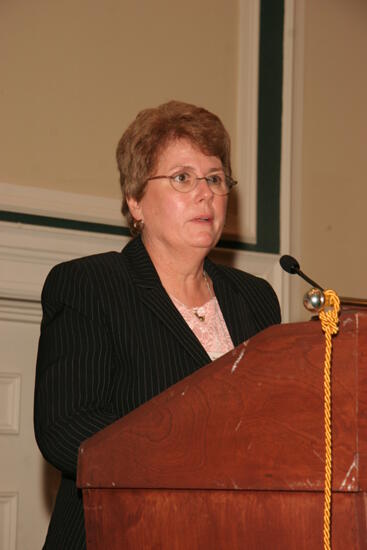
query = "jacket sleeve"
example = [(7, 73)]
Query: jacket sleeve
[(74, 373)]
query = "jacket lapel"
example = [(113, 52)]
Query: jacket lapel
[(153, 295)]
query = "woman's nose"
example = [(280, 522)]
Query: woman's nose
[(203, 189)]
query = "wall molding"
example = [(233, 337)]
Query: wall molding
[(10, 385), (287, 140), (60, 204), (8, 520), (21, 311), (247, 115), (28, 252), (291, 160), (296, 288)]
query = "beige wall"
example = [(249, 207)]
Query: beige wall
[(333, 193), (76, 72)]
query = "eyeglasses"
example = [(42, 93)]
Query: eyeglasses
[(186, 181)]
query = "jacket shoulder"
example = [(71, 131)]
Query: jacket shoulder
[(256, 291), (239, 278), (82, 282)]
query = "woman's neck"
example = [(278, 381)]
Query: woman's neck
[(181, 273)]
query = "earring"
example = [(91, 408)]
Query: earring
[(138, 225)]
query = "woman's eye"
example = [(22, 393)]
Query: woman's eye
[(215, 179), (182, 177)]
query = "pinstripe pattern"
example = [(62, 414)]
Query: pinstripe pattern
[(110, 340)]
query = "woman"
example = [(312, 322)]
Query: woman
[(119, 328)]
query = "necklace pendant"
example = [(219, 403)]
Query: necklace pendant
[(200, 317)]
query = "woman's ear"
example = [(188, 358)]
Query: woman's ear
[(135, 208)]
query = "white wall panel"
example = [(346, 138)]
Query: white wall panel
[(8, 520)]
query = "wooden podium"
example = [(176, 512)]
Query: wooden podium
[(232, 457)]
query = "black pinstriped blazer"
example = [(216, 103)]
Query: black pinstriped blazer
[(110, 340)]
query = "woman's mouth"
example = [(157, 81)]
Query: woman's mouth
[(203, 219)]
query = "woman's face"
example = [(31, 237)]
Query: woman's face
[(181, 221)]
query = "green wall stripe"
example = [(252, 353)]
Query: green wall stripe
[(269, 125)]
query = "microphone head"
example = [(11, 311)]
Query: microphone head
[(289, 264)]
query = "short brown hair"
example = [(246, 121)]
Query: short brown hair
[(140, 145)]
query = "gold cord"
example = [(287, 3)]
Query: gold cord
[(329, 317)]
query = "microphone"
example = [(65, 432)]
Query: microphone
[(314, 299), (291, 265)]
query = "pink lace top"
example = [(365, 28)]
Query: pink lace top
[(208, 325)]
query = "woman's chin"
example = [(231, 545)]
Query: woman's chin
[(204, 241)]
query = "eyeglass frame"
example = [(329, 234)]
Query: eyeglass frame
[(227, 178)]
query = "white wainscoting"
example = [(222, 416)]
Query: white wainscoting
[(8, 520)]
